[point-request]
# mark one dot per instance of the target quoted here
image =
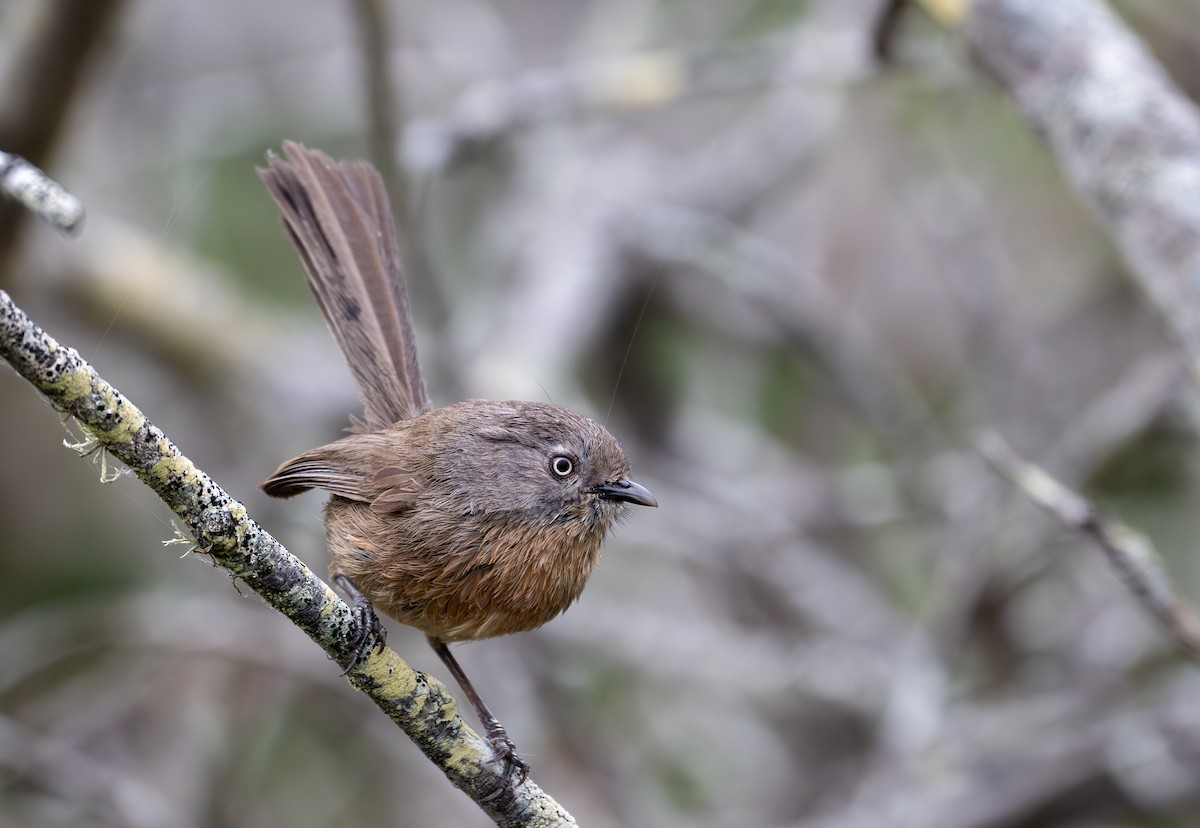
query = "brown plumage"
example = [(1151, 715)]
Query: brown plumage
[(478, 519)]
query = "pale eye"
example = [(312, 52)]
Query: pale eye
[(562, 465)]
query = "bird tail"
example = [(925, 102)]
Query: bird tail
[(338, 217)]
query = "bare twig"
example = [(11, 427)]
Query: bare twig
[(1130, 553), (1126, 408), (49, 67), (38, 193), (419, 704)]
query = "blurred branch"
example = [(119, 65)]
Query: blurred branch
[(97, 788), (48, 70), (419, 704), (992, 555), (883, 31), (1062, 739), (792, 304), (381, 95), (490, 110), (1124, 135), (887, 21), (1126, 408), (383, 101), (1130, 553), (38, 193)]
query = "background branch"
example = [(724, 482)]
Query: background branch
[(36, 192), (1122, 132), (1129, 552), (64, 42)]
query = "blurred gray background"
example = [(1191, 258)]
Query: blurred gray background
[(795, 281)]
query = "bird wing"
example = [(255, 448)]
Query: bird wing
[(306, 472), (397, 490), (350, 468)]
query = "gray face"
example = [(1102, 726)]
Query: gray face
[(540, 462)]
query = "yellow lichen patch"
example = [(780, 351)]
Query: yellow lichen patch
[(390, 674), (175, 467), (463, 754), (130, 421), (241, 520), (81, 384), (71, 387), (330, 606)]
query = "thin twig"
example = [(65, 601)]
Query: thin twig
[(38, 193), (1131, 555), (49, 65)]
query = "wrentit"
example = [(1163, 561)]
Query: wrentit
[(475, 520)]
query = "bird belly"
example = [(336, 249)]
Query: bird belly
[(459, 585)]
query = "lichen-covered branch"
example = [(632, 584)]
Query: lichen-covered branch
[(419, 704), (1129, 552), (1126, 137)]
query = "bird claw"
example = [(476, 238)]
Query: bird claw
[(367, 625), (506, 752)]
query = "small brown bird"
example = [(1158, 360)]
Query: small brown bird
[(478, 519)]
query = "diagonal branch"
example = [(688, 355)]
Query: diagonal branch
[(1125, 136), (26, 184), (1130, 553), (420, 704)]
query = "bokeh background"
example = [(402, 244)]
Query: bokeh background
[(794, 278)]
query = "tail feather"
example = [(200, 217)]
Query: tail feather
[(338, 217)]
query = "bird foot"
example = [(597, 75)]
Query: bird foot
[(366, 624), (506, 752)]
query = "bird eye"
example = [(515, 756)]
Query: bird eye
[(562, 465)]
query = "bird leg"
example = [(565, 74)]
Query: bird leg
[(506, 751), (366, 622)]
